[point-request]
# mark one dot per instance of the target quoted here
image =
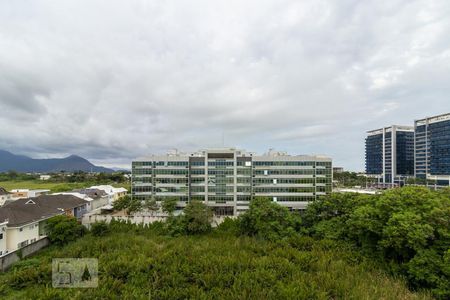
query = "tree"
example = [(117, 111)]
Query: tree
[(134, 206), (408, 228), (122, 203), (169, 205), (268, 220), (63, 229), (151, 205), (197, 218)]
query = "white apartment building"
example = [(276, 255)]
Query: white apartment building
[(22, 222)]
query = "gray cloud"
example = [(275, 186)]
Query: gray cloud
[(115, 80)]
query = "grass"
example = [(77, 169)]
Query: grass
[(144, 265), (54, 187)]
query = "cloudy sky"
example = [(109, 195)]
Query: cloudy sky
[(113, 80)]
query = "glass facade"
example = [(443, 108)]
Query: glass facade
[(405, 153), (374, 154), (390, 153), (228, 179), (432, 146)]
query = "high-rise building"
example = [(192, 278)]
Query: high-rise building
[(227, 179), (390, 153), (432, 148)]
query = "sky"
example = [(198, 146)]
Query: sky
[(115, 80)]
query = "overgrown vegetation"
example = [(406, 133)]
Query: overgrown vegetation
[(268, 220), (128, 204), (63, 229), (99, 228), (142, 262), (407, 230), (343, 246)]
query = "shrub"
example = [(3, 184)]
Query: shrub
[(99, 228), (229, 226), (63, 229)]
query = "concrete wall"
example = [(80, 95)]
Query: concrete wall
[(139, 219), (9, 259), (96, 203)]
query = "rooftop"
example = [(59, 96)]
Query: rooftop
[(175, 155), (28, 210), (3, 191)]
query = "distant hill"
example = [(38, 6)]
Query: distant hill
[(21, 163)]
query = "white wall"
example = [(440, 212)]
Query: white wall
[(96, 203), (3, 198), (3, 240), (15, 236)]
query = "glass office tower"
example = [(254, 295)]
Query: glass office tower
[(227, 179), (432, 148), (390, 153)]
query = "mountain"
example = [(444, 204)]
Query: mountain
[(21, 163)]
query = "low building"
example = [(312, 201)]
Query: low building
[(72, 206), (22, 222), (358, 191), (26, 193), (96, 198), (20, 193), (113, 192), (45, 177), (5, 196), (338, 170)]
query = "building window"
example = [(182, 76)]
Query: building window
[(1, 236), (20, 229), (23, 244)]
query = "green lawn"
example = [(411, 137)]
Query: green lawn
[(52, 186), (138, 264)]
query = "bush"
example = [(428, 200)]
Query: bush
[(63, 229), (99, 228), (229, 226)]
